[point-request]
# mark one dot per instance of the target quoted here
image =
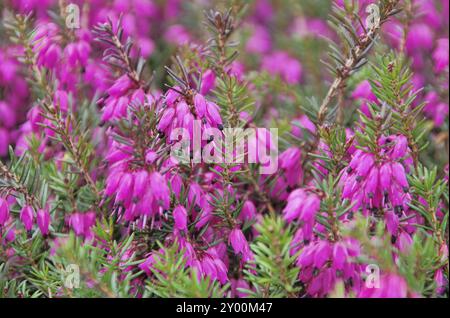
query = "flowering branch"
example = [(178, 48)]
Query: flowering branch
[(16, 185), (78, 148), (356, 58), (118, 54)]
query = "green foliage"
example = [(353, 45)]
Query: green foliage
[(395, 112), (419, 263), (14, 287), (29, 266), (232, 95), (426, 185), (77, 269), (416, 263), (233, 98), (103, 273), (392, 84), (371, 128), (270, 90), (30, 253), (333, 206), (19, 31), (273, 272), (352, 56), (221, 26), (118, 54), (23, 178), (226, 205)]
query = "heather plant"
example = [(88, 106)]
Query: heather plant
[(224, 149)]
